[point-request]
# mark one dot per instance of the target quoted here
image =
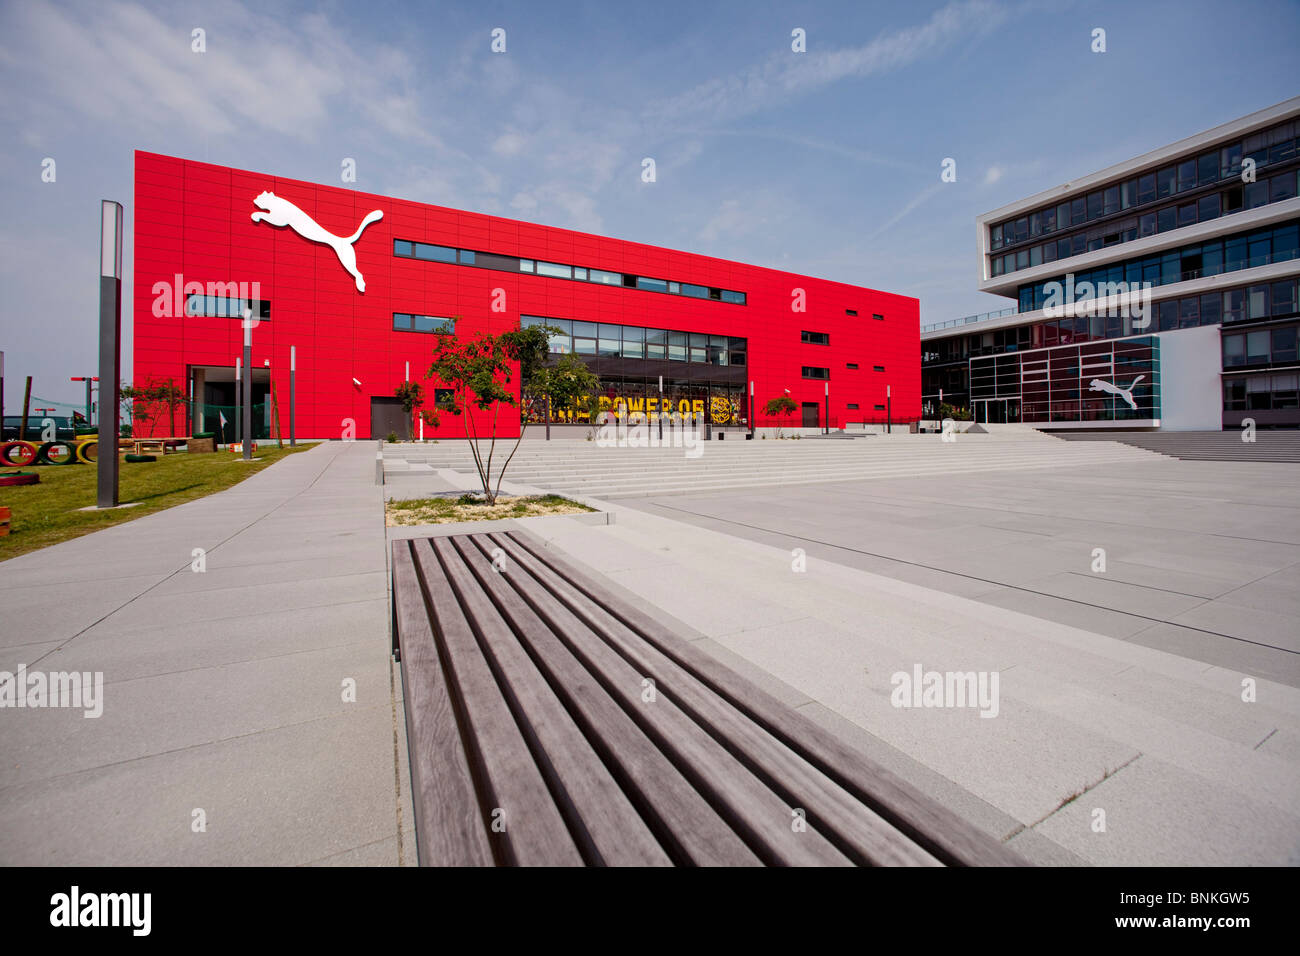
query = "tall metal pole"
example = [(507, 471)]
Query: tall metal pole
[(660, 416), (239, 384), (2, 396), (110, 350), (248, 385), (889, 410), (828, 408), (752, 411), (293, 374)]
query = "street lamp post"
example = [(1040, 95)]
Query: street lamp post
[(248, 385), (293, 375), (110, 349), (889, 410), (827, 393), (751, 409)]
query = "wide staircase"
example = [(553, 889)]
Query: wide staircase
[(1268, 445), (585, 468)]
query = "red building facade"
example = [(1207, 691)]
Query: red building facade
[(208, 240)]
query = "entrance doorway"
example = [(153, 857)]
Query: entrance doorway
[(811, 415), (387, 415), (997, 411)]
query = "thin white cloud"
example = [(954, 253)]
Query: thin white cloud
[(783, 75)]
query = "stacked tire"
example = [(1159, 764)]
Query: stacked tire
[(19, 453)]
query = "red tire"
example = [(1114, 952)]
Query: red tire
[(27, 453), (69, 456), (10, 478)]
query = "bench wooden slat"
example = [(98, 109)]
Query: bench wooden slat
[(927, 823), (686, 824), (855, 829), (606, 825), (449, 828), (534, 832), (745, 800), (859, 832)]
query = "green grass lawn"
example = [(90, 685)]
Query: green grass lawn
[(46, 513)]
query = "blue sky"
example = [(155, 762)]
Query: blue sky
[(825, 163)]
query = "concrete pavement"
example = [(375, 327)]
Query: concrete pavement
[(230, 733)]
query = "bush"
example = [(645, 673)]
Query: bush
[(392, 437)]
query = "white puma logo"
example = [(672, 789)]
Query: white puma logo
[(1097, 385), (281, 212)]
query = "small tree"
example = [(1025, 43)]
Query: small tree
[(411, 395), (479, 372), (781, 406), (565, 384)]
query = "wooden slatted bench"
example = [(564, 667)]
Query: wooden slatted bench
[(550, 722)]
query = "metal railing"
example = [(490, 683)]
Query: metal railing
[(969, 319)]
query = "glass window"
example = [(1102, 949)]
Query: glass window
[(1211, 306), (525, 265), (1257, 302), (401, 321), (677, 346), (1187, 214), (1171, 268), (1285, 390), (1078, 244), (1281, 187), (1146, 189), (1035, 225), (1035, 255), (1207, 208), (1257, 346), (466, 257), (1165, 182), (584, 346), (652, 285), (605, 278), (1230, 161), (1284, 297), (1234, 350), (1256, 194), (586, 330), (402, 248), (1189, 312), (1063, 248), (1284, 344), (695, 291), (1147, 224), (1128, 193), (1049, 220), (1062, 215), (554, 270), (1257, 392), (1110, 201), (1167, 219), (580, 273), (1022, 229), (1207, 168), (1049, 252), (1168, 315), (1187, 175), (430, 323), (1261, 248), (1234, 254), (1212, 258), (1078, 211), (1234, 305), (1094, 205), (424, 250), (1286, 240), (735, 298), (736, 358), (997, 265), (1022, 259), (656, 344)]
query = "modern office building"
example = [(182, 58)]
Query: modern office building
[(348, 287), (1157, 293)]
